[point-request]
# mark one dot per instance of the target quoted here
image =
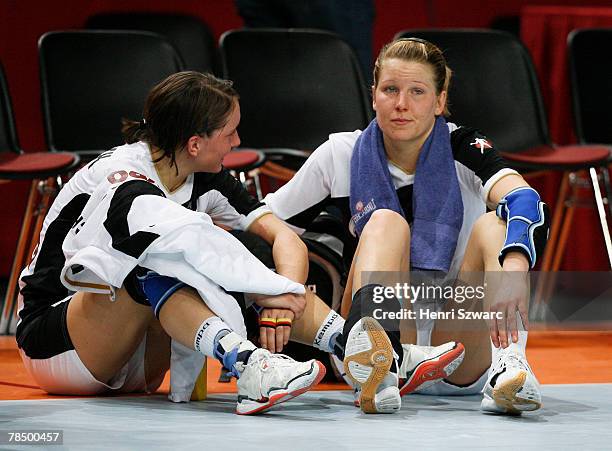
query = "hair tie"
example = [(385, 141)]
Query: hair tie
[(142, 124)]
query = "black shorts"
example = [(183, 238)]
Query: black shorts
[(45, 334)]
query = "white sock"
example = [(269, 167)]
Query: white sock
[(520, 346), (215, 339), (330, 326), (204, 341)]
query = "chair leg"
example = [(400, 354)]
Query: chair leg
[(560, 235), (602, 211), (551, 278), (559, 252), (20, 256), (539, 300), (555, 227), (200, 389), (47, 190), (257, 182), (563, 237), (605, 176)]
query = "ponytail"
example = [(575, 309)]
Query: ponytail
[(133, 131)]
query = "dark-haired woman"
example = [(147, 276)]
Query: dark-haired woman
[(132, 252)]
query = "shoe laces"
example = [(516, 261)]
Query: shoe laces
[(513, 360), (266, 360)]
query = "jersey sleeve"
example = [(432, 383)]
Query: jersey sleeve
[(227, 201), (478, 154), (301, 199)]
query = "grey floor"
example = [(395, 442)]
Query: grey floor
[(573, 417)]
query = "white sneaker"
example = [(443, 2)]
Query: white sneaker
[(511, 387), (423, 366), (269, 379), (368, 357), (337, 366)]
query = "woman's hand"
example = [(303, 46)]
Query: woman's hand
[(510, 293), (288, 301), (275, 328)]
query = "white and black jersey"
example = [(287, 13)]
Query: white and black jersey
[(323, 182), (220, 196)]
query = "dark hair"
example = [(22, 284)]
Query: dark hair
[(421, 51), (181, 106)]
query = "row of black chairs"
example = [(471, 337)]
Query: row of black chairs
[(282, 75), (296, 87), (195, 45), (90, 79)]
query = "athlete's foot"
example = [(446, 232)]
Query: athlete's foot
[(423, 366), (511, 388), (370, 362), (268, 379)]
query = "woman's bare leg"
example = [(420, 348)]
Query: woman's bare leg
[(106, 334), (383, 246), (305, 329), (481, 256), (157, 352)]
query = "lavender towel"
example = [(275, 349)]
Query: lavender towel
[(436, 201)]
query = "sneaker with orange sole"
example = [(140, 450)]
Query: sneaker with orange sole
[(423, 366)]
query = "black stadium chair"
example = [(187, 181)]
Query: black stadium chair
[(90, 80), (191, 37), (296, 86), (590, 77), (495, 88), (45, 170)]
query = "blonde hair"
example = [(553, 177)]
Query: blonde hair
[(420, 51)]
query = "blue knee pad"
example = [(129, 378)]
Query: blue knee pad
[(527, 223), (150, 288)]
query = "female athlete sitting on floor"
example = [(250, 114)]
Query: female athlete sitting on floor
[(413, 190), (151, 204)]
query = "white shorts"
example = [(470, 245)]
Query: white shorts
[(65, 374), (442, 388)]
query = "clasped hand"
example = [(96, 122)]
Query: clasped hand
[(276, 317)]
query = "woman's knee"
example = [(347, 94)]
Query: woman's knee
[(387, 224), (488, 232), (489, 225)]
